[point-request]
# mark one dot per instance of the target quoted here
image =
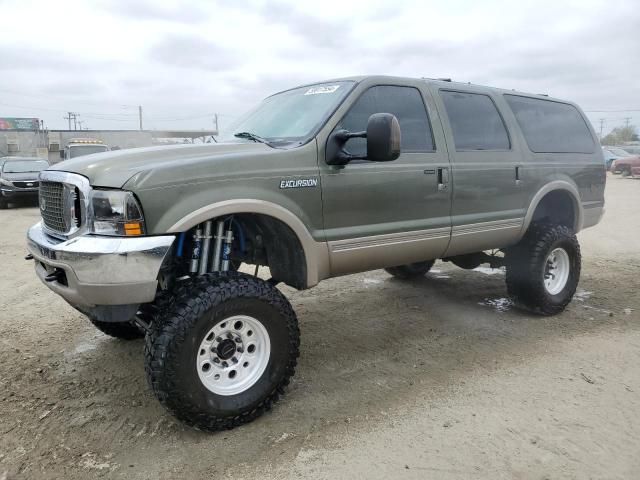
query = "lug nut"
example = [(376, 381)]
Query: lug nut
[(234, 360), (216, 360), (225, 364), (218, 339), (229, 335), (239, 350), (238, 340)]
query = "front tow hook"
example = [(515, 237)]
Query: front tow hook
[(53, 277)]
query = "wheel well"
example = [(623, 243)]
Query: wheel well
[(260, 239), (557, 207), (279, 246)]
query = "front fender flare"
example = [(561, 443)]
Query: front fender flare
[(316, 254)]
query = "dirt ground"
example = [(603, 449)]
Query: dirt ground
[(439, 378)]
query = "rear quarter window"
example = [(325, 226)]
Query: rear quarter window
[(475, 121), (551, 127)]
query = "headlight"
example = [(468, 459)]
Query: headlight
[(116, 212), (6, 182)]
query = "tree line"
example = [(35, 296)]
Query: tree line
[(621, 135)]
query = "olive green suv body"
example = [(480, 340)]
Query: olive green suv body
[(297, 186)]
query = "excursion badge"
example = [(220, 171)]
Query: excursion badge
[(299, 183)]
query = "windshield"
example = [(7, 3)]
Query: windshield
[(79, 150), (619, 152), (25, 166), (292, 116)]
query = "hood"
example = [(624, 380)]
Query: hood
[(21, 177), (113, 169)]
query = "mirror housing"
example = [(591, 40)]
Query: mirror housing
[(383, 141)]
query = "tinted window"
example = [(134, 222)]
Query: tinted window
[(403, 102), (551, 127), (475, 122)]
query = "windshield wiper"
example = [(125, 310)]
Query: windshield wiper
[(252, 136)]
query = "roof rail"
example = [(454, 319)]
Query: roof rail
[(439, 79)]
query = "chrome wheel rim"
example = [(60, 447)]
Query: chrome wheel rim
[(233, 355), (556, 272)]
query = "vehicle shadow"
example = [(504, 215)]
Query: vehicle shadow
[(22, 204)]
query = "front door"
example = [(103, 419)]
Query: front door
[(391, 213)]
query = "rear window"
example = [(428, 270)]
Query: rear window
[(551, 127), (475, 121)]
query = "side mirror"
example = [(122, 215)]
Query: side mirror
[(383, 141), (61, 153)]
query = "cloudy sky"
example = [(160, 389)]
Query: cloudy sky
[(185, 61)]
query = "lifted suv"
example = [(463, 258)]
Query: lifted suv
[(318, 181)]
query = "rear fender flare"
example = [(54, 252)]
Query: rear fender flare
[(550, 187)]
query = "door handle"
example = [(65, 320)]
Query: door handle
[(518, 174), (443, 178)]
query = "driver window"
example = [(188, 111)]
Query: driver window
[(405, 103)]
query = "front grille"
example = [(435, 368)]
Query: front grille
[(52, 206), (25, 184)]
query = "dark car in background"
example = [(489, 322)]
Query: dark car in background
[(19, 179)]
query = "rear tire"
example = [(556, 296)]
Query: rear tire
[(121, 330), (223, 352), (410, 271), (3, 204), (543, 270), (626, 172)]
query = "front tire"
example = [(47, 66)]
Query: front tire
[(543, 270), (223, 353), (410, 271)]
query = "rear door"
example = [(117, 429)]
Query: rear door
[(392, 213), (488, 201)]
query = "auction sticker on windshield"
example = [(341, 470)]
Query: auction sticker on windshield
[(322, 89)]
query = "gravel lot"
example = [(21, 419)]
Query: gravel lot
[(439, 378)]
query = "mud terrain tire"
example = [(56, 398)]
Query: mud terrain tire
[(174, 348), (410, 271), (545, 252), (121, 330)]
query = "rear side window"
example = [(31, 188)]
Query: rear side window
[(403, 102), (475, 121), (551, 127)]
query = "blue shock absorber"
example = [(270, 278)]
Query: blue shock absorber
[(180, 247)]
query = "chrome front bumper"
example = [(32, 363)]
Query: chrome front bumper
[(100, 270)]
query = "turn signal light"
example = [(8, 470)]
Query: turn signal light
[(133, 229)]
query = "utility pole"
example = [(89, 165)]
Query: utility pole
[(626, 121), (72, 116), (215, 120), (80, 122), (140, 115), (601, 127)]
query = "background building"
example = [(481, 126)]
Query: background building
[(24, 137)]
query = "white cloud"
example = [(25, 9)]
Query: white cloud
[(186, 60)]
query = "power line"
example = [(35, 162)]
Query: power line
[(613, 111)]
